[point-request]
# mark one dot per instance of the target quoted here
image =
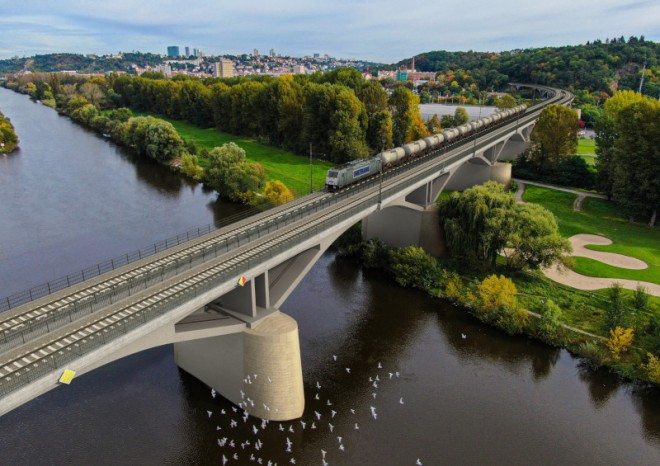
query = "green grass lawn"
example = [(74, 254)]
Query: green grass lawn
[(601, 217), (586, 146), (287, 167), (589, 159)]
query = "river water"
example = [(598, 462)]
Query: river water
[(70, 199)]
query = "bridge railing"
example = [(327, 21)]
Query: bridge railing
[(67, 313), (73, 351)]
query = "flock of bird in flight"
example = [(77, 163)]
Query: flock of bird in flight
[(324, 416)]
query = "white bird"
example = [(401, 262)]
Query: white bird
[(313, 425), (317, 397), (397, 374), (373, 411), (463, 336), (377, 378), (236, 456), (375, 384), (339, 439), (245, 416), (348, 369), (356, 426), (242, 394), (323, 452), (288, 445), (341, 447), (232, 444), (213, 393), (331, 426), (234, 408), (333, 413), (418, 463), (324, 463), (224, 459), (334, 356), (303, 423), (352, 411), (218, 428), (318, 415), (264, 423), (380, 366), (233, 424), (252, 457), (222, 441), (260, 461), (266, 407), (209, 413), (328, 403), (281, 428), (318, 385), (374, 395), (255, 430), (391, 375), (401, 400), (269, 381), (293, 461), (291, 429), (222, 411)]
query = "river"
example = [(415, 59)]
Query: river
[(444, 388)]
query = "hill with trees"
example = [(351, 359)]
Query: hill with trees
[(55, 62), (598, 67)]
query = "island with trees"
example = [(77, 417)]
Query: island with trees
[(8, 138)]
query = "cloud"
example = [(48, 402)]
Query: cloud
[(379, 30)]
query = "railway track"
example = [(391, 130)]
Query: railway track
[(188, 269)]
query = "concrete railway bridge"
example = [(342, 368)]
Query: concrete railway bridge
[(224, 333)]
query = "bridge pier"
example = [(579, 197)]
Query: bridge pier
[(259, 367)]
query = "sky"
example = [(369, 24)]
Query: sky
[(383, 31)]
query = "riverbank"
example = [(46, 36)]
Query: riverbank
[(530, 304)]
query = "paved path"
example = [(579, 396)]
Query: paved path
[(577, 205), (610, 258)]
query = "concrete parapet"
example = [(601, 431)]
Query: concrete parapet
[(272, 353)]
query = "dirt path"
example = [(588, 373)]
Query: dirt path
[(577, 205), (583, 282)]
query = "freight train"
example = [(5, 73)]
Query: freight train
[(352, 172)]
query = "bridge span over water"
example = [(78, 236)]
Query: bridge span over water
[(233, 337)]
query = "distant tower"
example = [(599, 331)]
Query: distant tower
[(412, 68), (187, 51), (272, 52), (173, 51), (255, 52)]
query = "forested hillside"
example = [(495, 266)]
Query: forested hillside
[(597, 66), (83, 63)]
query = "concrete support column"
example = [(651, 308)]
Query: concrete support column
[(271, 360), (263, 362)]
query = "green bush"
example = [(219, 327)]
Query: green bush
[(412, 266)]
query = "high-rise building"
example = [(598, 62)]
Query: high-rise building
[(255, 52), (173, 51), (223, 69), (196, 52), (187, 51), (272, 52), (317, 55)]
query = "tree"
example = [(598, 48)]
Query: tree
[(478, 222), (554, 136), (652, 368), (497, 294), (636, 159), (404, 106), (640, 298), (190, 167), (433, 125), (535, 239), (615, 312), (276, 193), (619, 341), (506, 101), (461, 116), (231, 175), (550, 320), (447, 121), (412, 266)]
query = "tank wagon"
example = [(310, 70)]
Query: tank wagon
[(352, 172)]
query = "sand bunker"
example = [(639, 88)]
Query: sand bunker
[(582, 282)]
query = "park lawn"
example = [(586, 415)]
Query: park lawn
[(589, 159), (586, 146), (278, 164), (601, 217)]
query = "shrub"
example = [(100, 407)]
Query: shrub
[(652, 368), (497, 294), (375, 254), (549, 322), (619, 341), (412, 266), (595, 354)]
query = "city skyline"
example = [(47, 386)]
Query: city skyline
[(380, 31)]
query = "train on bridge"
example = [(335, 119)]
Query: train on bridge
[(357, 170)]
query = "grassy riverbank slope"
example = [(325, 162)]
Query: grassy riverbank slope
[(287, 167)]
